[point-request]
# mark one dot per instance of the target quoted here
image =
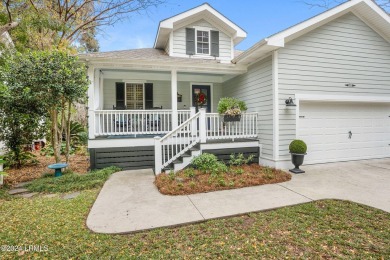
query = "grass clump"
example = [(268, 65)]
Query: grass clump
[(72, 181)]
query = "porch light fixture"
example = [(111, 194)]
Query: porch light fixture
[(179, 97), (290, 102)]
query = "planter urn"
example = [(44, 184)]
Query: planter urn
[(297, 160), (230, 118)]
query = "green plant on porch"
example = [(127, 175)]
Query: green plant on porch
[(231, 106)]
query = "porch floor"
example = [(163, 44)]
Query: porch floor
[(140, 136)]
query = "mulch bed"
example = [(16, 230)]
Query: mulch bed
[(252, 175), (78, 163)]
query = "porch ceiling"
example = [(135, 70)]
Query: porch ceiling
[(158, 60), (165, 75)]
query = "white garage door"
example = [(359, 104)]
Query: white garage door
[(336, 131)]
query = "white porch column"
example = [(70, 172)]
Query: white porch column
[(91, 102), (101, 99), (174, 98), (202, 125)]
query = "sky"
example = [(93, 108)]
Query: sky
[(259, 18)]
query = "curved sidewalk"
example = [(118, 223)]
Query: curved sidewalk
[(130, 202)]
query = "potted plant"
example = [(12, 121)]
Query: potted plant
[(231, 108), (298, 150)]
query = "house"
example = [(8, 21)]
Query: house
[(325, 80)]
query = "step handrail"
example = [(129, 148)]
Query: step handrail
[(180, 126), (176, 142)]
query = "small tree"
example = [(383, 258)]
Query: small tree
[(21, 116), (53, 81)]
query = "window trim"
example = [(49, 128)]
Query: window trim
[(196, 41), (143, 93)]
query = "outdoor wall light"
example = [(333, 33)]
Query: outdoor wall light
[(290, 102), (351, 85), (179, 97)]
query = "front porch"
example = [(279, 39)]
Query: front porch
[(154, 114)]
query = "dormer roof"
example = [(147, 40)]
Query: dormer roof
[(204, 11)]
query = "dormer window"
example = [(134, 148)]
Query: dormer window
[(202, 42)]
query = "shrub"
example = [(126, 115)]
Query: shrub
[(239, 159), (227, 104), (25, 158), (205, 162), (209, 163), (298, 146), (189, 172)]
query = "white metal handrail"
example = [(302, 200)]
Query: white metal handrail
[(176, 143), (218, 129)]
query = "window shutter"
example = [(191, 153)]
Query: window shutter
[(190, 41), (148, 95), (214, 43), (120, 94)]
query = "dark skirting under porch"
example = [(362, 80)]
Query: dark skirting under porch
[(142, 157), (126, 158)]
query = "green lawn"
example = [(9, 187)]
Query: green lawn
[(328, 229), (72, 181)]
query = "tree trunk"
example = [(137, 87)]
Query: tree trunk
[(54, 141), (68, 137)]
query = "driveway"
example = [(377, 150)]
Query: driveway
[(130, 202)]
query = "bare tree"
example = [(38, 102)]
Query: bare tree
[(385, 4), (59, 23)]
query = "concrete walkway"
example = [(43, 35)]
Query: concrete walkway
[(130, 202)]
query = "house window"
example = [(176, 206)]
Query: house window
[(134, 96), (202, 42)]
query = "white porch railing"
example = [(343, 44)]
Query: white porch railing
[(177, 142), (127, 122), (198, 129), (218, 129)]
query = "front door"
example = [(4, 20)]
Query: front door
[(205, 89)]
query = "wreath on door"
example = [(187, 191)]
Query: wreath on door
[(201, 99)]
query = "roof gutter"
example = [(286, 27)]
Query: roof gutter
[(250, 51)]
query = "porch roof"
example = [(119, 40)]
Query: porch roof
[(156, 59)]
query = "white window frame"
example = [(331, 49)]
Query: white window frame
[(196, 41), (143, 93)]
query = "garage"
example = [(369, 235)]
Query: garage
[(344, 131)]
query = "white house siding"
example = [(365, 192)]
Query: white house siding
[(255, 88), (161, 93), (179, 41), (322, 62)]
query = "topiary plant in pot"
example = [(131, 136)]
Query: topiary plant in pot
[(298, 150)]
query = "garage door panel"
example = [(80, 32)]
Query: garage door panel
[(325, 128)]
